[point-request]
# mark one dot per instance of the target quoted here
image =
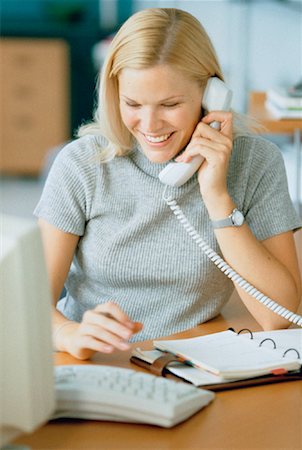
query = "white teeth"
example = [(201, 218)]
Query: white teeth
[(157, 138)]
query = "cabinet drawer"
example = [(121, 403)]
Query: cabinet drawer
[(35, 108)]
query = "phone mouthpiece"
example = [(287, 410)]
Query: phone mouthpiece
[(176, 174)]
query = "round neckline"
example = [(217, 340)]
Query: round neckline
[(153, 169), (142, 162)]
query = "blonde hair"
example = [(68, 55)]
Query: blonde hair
[(148, 38)]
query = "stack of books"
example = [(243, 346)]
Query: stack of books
[(284, 105)]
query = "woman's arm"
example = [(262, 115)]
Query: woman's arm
[(103, 329), (59, 248), (271, 266)]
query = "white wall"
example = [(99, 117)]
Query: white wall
[(259, 43)]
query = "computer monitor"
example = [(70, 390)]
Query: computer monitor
[(27, 397)]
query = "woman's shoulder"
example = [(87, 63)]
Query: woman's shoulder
[(256, 144), (83, 148), (77, 158), (255, 149)]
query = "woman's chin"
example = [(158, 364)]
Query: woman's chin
[(159, 157), (156, 160)]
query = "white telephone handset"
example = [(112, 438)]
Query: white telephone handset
[(217, 96)]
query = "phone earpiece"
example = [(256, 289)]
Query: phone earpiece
[(217, 96)]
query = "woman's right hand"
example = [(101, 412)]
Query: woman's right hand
[(103, 329)]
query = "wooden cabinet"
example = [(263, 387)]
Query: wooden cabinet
[(34, 111)]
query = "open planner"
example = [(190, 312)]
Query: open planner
[(227, 360)]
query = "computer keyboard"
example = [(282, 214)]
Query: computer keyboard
[(124, 395)]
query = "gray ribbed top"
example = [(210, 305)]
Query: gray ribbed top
[(134, 251)]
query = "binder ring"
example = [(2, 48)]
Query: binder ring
[(269, 339), (246, 329), (289, 350)]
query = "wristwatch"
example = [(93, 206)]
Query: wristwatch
[(235, 219)]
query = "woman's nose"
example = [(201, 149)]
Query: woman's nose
[(150, 121)]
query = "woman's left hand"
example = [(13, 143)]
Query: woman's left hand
[(215, 146)]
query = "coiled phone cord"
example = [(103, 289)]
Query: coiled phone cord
[(227, 270)]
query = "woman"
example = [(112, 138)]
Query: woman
[(131, 270)]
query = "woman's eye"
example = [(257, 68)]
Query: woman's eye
[(170, 105), (132, 105)]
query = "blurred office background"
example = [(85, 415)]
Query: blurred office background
[(51, 51)]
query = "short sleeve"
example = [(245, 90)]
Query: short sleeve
[(68, 191), (269, 209)]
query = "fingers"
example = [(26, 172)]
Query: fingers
[(225, 118), (102, 329), (203, 130), (106, 328), (213, 152), (109, 323), (204, 147), (112, 315), (206, 137), (111, 308), (90, 345), (136, 327), (105, 336), (215, 147)]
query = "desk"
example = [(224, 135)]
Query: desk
[(259, 417), (256, 108)]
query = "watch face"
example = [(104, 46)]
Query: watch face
[(238, 218)]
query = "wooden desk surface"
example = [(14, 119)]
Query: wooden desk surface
[(262, 417), (256, 108)]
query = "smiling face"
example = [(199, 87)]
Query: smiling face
[(161, 108)]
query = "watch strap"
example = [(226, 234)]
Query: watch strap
[(222, 223), (228, 221)]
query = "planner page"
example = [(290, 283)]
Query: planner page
[(229, 355), (285, 340)]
